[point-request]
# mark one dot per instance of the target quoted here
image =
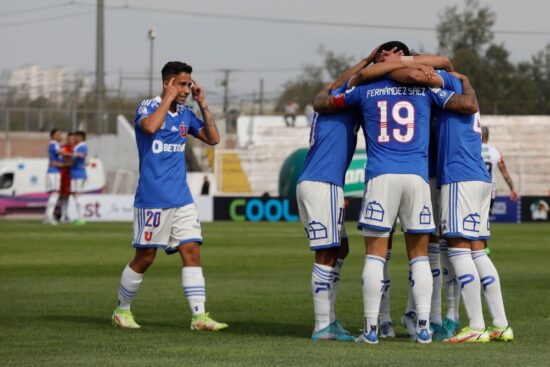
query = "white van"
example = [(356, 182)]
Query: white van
[(23, 183)]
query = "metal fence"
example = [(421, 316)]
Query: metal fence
[(65, 119)]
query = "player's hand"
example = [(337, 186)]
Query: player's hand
[(171, 89), (426, 69), (391, 55), (514, 196), (372, 55), (198, 92)]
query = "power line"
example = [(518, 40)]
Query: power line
[(47, 19), (301, 21), (34, 10)]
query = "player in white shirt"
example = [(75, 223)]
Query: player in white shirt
[(492, 158)]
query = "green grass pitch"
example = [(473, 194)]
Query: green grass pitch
[(58, 287)]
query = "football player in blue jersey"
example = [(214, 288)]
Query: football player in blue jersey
[(465, 200), (78, 173), (164, 213), (396, 123), (53, 180), (320, 198)]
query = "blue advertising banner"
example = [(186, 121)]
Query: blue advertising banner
[(505, 210)]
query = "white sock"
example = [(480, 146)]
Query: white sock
[(321, 282), (78, 206), (193, 287), (50, 207), (422, 284), (334, 288), (468, 277), (373, 277), (385, 301), (490, 282), (452, 287), (435, 266), (65, 208), (129, 285)]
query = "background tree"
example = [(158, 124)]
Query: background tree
[(303, 89)]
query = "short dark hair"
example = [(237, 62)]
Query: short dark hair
[(81, 133), (173, 68), (53, 132), (391, 45), (71, 133)]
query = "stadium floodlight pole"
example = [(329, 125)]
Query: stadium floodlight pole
[(261, 102), (100, 67), (151, 34), (225, 84)]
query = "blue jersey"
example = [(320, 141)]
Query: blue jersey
[(396, 124), (432, 148), (332, 142), (162, 173), (459, 156), (54, 154), (78, 170)]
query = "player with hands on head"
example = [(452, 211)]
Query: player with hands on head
[(165, 215)]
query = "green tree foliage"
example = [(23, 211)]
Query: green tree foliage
[(503, 87), (303, 89)]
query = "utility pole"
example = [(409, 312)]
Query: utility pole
[(100, 67), (261, 96), (152, 36), (225, 84)]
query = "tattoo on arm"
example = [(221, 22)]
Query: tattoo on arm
[(506, 175), (467, 102), (324, 102), (210, 128)]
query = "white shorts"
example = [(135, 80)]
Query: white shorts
[(77, 185), (465, 210), (436, 205), (389, 196), (166, 228), (53, 181), (321, 208)]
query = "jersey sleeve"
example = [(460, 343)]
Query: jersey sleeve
[(195, 124), (142, 112), (349, 98), (440, 97)]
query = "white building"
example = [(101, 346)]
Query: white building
[(55, 84)]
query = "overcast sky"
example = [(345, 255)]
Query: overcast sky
[(210, 43)]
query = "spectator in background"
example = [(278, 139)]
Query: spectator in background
[(65, 190), (310, 113), (205, 190), (291, 108)]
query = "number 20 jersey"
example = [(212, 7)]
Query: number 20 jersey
[(396, 124)]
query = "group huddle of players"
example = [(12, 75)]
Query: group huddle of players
[(66, 174), (425, 168)]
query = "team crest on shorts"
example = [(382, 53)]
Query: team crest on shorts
[(183, 131), (148, 236)]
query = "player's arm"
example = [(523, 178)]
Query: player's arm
[(435, 61), (383, 68), (153, 122), (209, 133), (508, 179), (417, 76), (465, 103)]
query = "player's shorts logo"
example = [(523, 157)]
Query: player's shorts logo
[(148, 236), (183, 131), (425, 216), (374, 211), (471, 222), (316, 231)]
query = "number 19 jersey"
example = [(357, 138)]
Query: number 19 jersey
[(396, 124)]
